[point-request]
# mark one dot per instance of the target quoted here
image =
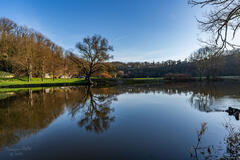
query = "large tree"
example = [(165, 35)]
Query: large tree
[(94, 52), (222, 20), (200, 58), (207, 61)]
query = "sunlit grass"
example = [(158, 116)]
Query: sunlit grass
[(22, 81), (4, 82)]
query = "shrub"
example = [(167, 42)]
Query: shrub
[(177, 77), (105, 75)]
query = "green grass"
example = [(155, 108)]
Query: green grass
[(24, 81), (5, 82), (4, 90)]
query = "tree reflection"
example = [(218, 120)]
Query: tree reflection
[(95, 111), (27, 112), (30, 111), (202, 102)]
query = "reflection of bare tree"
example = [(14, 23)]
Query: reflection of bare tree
[(95, 111), (30, 111), (231, 142), (202, 102), (27, 113)]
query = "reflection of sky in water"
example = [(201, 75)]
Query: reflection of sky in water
[(227, 101), (146, 126)]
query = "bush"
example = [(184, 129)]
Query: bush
[(105, 75), (177, 77)]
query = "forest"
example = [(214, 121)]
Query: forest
[(199, 64), (25, 52)]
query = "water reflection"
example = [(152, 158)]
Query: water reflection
[(199, 151), (25, 113), (28, 112), (231, 143), (203, 96), (95, 110), (202, 102)]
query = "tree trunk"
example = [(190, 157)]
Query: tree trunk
[(88, 78), (53, 75), (42, 77), (29, 72), (43, 72)]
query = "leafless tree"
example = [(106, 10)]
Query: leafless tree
[(199, 58), (222, 20), (94, 51), (207, 61)]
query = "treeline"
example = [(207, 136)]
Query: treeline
[(148, 69), (26, 52), (204, 62)]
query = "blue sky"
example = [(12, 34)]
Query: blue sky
[(139, 30)]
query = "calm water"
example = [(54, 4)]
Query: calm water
[(170, 121)]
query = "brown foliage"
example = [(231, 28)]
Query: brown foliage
[(105, 75), (26, 52), (177, 77)]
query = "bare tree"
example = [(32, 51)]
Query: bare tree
[(26, 52), (223, 21), (199, 58), (42, 55), (23, 60), (207, 61), (94, 51), (71, 68), (56, 61)]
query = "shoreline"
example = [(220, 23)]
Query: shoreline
[(97, 82), (42, 85), (105, 82)]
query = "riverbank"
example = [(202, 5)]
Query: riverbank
[(36, 82)]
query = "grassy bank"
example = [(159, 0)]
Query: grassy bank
[(36, 82)]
